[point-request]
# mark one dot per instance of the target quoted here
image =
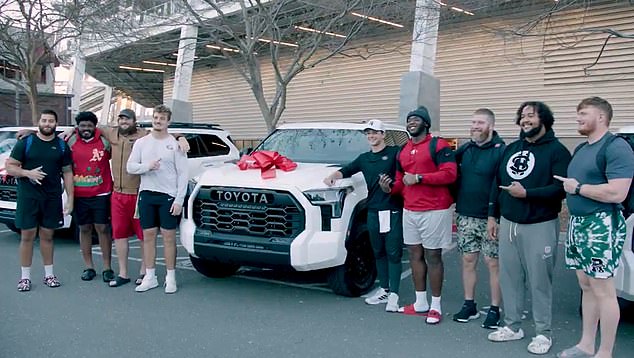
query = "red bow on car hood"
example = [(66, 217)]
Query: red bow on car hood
[(267, 162)]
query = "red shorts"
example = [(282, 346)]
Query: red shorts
[(122, 209)]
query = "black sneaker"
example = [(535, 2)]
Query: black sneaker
[(492, 321), (467, 313)]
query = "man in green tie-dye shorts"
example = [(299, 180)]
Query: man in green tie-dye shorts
[(595, 243), (599, 178)]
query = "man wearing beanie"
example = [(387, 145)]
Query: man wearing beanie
[(426, 169), (528, 204)]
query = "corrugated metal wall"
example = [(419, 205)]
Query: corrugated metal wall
[(476, 67)]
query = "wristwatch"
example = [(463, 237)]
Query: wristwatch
[(578, 189), (419, 178)]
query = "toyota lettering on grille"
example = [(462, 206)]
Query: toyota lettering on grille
[(241, 197), (8, 180)]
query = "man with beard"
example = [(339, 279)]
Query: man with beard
[(125, 192), (125, 222), (599, 178), (529, 203), (93, 184), (423, 179), (384, 213), (163, 171), (478, 161), (39, 161)]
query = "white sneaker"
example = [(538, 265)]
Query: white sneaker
[(148, 283), (540, 344), (170, 285), (380, 296), (392, 302), (505, 334)]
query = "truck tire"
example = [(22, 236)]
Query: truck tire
[(358, 274), (213, 269)]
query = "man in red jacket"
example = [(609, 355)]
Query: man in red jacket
[(427, 168), (93, 185)]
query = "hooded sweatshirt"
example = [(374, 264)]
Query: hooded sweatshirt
[(477, 167), (532, 165)]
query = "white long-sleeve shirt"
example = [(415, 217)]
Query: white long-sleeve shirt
[(171, 176)]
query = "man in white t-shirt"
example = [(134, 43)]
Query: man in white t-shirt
[(163, 170)]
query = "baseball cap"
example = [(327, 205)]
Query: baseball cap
[(375, 124), (128, 113)]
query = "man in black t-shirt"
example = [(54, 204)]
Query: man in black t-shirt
[(39, 161), (385, 212)]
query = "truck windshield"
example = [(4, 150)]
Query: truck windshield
[(316, 145), (7, 142)]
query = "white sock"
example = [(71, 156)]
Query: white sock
[(421, 303), (26, 273), (150, 272), (435, 303), (48, 270), (171, 275)]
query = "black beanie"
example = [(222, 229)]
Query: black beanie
[(422, 113)]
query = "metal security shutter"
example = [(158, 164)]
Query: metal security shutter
[(568, 77), (479, 69), (341, 89), (476, 70)]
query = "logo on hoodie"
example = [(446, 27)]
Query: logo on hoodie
[(520, 165)]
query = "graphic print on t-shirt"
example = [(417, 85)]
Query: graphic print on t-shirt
[(520, 165)]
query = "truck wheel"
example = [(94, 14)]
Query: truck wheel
[(213, 269), (357, 275), (12, 227)]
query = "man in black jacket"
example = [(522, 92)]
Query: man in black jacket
[(478, 161), (529, 204)]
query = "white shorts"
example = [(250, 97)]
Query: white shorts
[(431, 229)]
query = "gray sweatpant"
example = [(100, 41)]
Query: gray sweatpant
[(527, 258)]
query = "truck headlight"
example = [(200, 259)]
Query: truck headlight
[(333, 197)]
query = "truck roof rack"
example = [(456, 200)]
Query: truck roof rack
[(185, 125)]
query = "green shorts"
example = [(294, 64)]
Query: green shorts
[(595, 243), (472, 237)]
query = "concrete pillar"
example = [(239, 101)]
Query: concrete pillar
[(419, 86), (180, 104), (77, 72), (105, 107)]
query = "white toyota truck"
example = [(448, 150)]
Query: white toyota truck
[(293, 221)]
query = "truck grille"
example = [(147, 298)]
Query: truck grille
[(8, 188), (251, 212)]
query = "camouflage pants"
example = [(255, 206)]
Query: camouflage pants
[(595, 243), (472, 236)]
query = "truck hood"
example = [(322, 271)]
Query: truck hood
[(306, 176)]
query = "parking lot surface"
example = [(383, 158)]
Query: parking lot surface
[(257, 313)]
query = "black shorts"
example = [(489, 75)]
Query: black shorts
[(154, 211), (39, 212), (93, 210)]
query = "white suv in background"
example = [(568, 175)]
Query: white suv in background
[(209, 146)]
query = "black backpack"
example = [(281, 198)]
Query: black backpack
[(628, 204), (433, 145)]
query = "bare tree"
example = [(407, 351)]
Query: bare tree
[(31, 30)]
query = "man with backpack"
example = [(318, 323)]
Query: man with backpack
[(40, 161), (478, 161), (426, 169), (598, 181)]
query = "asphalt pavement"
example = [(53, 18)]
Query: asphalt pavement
[(257, 313)]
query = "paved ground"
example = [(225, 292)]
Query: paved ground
[(254, 314)]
